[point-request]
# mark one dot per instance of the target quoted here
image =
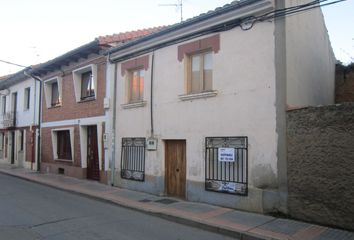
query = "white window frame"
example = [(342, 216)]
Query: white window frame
[(27, 98), (3, 107), (55, 143), (77, 80), (48, 90)]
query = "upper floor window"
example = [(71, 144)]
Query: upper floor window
[(52, 91), (3, 105), (198, 62), (85, 82), (200, 72), (27, 98), (87, 85), (135, 85), (55, 99)]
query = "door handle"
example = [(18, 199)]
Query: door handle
[(177, 170)]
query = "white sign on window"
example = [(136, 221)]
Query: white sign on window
[(226, 154)]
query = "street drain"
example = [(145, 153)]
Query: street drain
[(145, 200), (166, 201)]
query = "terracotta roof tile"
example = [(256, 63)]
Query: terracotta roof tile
[(126, 36)]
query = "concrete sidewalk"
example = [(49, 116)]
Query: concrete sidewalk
[(241, 225)]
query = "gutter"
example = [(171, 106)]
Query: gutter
[(222, 19)]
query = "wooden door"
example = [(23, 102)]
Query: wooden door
[(93, 170), (175, 168)]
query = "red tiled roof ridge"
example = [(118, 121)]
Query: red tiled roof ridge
[(129, 35)]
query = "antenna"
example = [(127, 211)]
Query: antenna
[(177, 5)]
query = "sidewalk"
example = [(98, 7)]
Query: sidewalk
[(241, 225)]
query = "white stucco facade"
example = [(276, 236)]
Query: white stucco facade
[(310, 61), (256, 74), (26, 123)]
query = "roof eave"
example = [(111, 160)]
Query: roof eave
[(184, 29)]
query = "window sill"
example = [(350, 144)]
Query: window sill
[(55, 106), (133, 105), (89, 99), (62, 160), (187, 97)]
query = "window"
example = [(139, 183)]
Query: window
[(27, 98), (1, 141), (135, 85), (87, 85), (226, 164), (133, 159), (200, 73), (85, 82), (22, 140), (63, 145), (53, 92), (55, 99), (3, 105)]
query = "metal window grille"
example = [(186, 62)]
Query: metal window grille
[(133, 159), (226, 165)]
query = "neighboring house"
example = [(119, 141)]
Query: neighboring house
[(19, 101), (198, 109), (73, 114)]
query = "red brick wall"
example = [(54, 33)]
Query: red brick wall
[(47, 147), (70, 109), (30, 144)]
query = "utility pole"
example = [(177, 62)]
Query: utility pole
[(177, 5)]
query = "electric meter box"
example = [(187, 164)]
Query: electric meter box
[(151, 144)]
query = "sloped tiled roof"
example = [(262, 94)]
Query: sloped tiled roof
[(5, 77), (126, 36)]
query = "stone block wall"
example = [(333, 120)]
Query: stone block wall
[(321, 164)]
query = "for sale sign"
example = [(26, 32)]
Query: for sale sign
[(226, 154)]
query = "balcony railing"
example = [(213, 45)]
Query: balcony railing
[(9, 119)]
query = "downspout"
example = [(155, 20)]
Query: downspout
[(151, 96), (114, 105), (39, 117)]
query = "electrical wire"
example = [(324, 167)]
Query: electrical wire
[(11, 63)]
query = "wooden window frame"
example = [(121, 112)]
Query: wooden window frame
[(130, 75), (201, 72)]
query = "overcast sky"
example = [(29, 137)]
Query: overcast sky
[(34, 31)]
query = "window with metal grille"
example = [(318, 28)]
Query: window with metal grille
[(133, 159), (226, 165)]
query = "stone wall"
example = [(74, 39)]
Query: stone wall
[(321, 164), (344, 83)]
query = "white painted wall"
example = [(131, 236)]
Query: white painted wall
[(243, 75), (310, 59), (24, 117)]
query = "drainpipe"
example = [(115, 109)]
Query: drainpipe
[(39, 117), (113, 157)]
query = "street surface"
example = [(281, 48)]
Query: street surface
[(32, 211)]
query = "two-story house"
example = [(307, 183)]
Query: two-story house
[(73, 109), (199, 108), (19, 101)]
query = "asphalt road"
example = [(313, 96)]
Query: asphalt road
[(32, 211)]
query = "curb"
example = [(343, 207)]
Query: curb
[(167, 216)]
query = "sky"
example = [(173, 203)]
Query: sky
[(35, 31)]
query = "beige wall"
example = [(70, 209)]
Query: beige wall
[(244, 76), (310, 59)]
